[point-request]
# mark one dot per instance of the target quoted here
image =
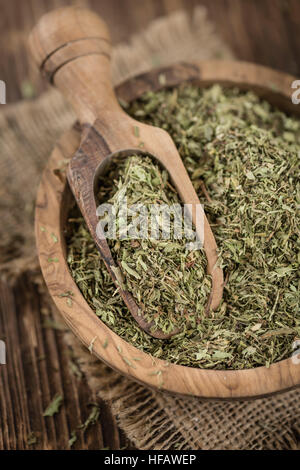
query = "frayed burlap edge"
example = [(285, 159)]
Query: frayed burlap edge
[(152, 420)]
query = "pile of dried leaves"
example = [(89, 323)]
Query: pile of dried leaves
[(246, 154)]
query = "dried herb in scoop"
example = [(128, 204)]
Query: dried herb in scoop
[(164, 275), (243, 158)]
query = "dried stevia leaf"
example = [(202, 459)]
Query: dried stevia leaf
[(243, 157), (54, 406)]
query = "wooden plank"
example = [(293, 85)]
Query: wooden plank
[(38, 367)]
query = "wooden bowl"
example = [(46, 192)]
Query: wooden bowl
[(53, 202)]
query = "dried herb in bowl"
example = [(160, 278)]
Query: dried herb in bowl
[(243, 158)]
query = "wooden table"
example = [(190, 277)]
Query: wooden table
[(262, 31)]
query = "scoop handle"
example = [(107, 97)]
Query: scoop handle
[(72, 48)]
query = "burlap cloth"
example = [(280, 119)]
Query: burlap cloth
[(152, 420)]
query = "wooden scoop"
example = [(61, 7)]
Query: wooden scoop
[(72, 48)]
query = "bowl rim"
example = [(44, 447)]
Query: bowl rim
[(50, 213)]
